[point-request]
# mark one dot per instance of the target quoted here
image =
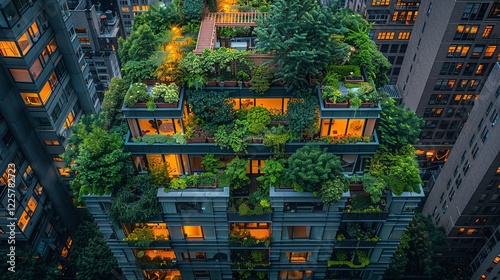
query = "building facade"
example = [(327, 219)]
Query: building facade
[(128, 9), (453, 48), (465, 197), (44, 88), (199, 233), (98, 32)]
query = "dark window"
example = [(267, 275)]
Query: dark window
[(477, 51), (384, 48), (396, 71), (444, 84), (8, 138), (394, 48), (439, 99), (461, 112), (488, 110), (403, 47), (449, 112), (485, 134), (433, 112), (451, 68), (469, 69), (399, 60), (495, 11), (444, 124), (474, 11)]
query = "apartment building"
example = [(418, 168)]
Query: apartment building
[(453, 48), (128, 9), (44, 88), (200, 235), (98, 31), (465, 197)]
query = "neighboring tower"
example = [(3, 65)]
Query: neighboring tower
[(465, 198), (454, 45), (129, 9), (98, 32), (44, 88)]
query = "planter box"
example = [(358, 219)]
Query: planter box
[(140, 105), (230, 83), (196, 140), (329, 104), (354, 79), (279, 123), (212, 84), (257, 140), (166, 105), (367, 105)]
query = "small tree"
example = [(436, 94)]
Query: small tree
[(274, 174), (301, 115), (397, 127), (237, 172), (90, 255), (332, 191), (212, 107), (310, 168)]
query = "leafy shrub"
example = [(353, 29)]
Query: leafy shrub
[(191, 9), (137, 93), (237, 172), (345, 70), (258, 119)]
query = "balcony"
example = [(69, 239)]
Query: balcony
[(161, 112)]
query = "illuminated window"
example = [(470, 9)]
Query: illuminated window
[(458, 51), (52, 46), (380, 2), (487, 31), (80, 30), (64, 171), (125, 9), (472, 231), (34, 31), (461, 230), (36, 69), (51, 143), (31, 99), (45, 92), (496, 259), (69, 120), (466, 32), (25, 218), (136, 8), (405, 16), (498, 171), (481, 68), (295, 274), (385, 35), (21, 75), (298, 256), (495, 11), (404, 35), (192, 231), (25, 43), (490, 49), (193, 256), (84, 41), (28, 172), (9, 49)]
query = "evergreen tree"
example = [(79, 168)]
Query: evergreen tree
[(299, 34)]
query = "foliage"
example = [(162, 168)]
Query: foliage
[(211, 164), (28, 265), (397, 127), (139, 45), (274, 174), (302, 43), (332, 191), (243, 237), (191, 9), (159, 174), (261, 79), (136, 202), (150, 104), (141, 236), (359, 259), (112, 103), (140, 70), (234, 138), (374, 186), (101, 164), (194, 70), (344, 139), (159, 17), (224, 62), (90, 256), (178, 183), (258, 119), (333, 94), (360, 202), (207, 179), (137, 93), (419, 243), (301, 114), (212, 107), (276, 138), (398, 171), (345, 70), (237, 172), (310, 167), (165, 93)]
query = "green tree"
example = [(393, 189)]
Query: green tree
[(397, 127), (191, 9), (299, 35), (100, 163), (160, 17), (301, 115), (399, 171), (212, 107), (29, 265), (113, 102), (310, 167), (90, 256), (140, 45)]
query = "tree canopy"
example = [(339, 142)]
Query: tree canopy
[(100, 161), (299, 35), (90, 256), (398, 127), (29, 265)]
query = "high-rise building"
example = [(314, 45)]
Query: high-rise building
[(128, 9), (98, 32), (465, 197), (452, 49), (44, 88), (392, 26), (200, 235)]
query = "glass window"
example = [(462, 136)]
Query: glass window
[(298, 256), (192, 231), (404, 35), (490, 49), (25, 43), (45, 92), (10, 14), (36, 69), (9, 49), (299, 232), (34, 31), (21, 75), (31, 99), (495, 11), (487, 31), (385, 35)]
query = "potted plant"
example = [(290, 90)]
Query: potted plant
[(261, 79), (333, 98), (258, 120), (168, 95), (141, 236), (244, 77), (137, 96), (207, 180)]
